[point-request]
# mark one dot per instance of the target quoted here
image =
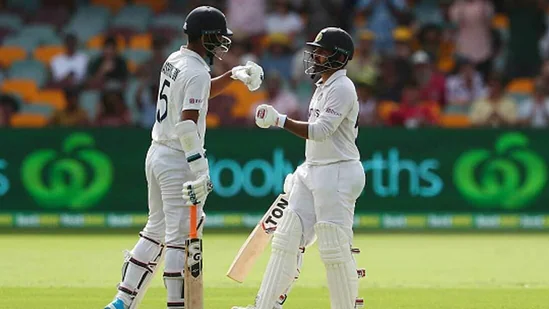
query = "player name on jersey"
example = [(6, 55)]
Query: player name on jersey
[(169, 70)]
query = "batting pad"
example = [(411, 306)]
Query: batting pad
[(282, 266), (173, 276), (138, 270), (335, 252)]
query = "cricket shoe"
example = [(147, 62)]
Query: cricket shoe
[(117, 303)]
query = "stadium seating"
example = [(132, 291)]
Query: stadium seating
[(45, 54), (155, 5), (42, 33), (455, 121), (24, 88), (41, 109), (29, 69), (89, 101), (26, 5), (28, 120), (88, 21), (113, 5), (27, 43), (10, 21), (54, 16), (141, 41), (52, 97), (96, 42), (132, 17), (10, 54)]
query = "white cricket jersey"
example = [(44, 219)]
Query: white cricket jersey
[(333, 121), (184, 85)]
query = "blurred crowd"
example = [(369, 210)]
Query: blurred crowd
[(448, 63)]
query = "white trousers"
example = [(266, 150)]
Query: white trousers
[(326, 193), (166, 170)]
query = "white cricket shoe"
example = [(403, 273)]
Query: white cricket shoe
[(248, 307)]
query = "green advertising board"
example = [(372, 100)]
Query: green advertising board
[(429, 178)]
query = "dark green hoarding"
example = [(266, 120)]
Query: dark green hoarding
[(413, 172)]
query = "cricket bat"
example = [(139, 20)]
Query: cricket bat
[(258, 240), (194, 287)]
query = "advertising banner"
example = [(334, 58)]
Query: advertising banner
[(425, 178)]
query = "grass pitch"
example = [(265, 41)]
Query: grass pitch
[(404, 271)]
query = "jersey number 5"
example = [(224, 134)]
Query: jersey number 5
[(162, 97)]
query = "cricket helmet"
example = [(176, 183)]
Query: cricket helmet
[(334, 40)]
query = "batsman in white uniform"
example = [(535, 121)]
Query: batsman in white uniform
[(323, 190), (176, 167)]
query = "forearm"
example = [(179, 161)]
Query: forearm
[(220, 83), (299, 128)]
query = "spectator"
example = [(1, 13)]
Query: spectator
[(534, 112), (403, 51), (495, 109), (150, 70), (320, 14), (283, 101), (110, 66), (474, 38), (69, 69), (246, 16), (411, 112), (430, 40), (383, 17), (389, 84), (363, 67), (113, 111), (526, 28), (278, 56), (73, 115), (432, 84), (146, 104), (283, 20), (465, 87), (8, 107), (368, 113)]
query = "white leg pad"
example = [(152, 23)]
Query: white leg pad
[(335, 252), (139, 268), (173, 276), (283, 263)]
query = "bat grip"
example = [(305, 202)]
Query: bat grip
[(193, 230)]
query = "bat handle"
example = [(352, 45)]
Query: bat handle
[(193, 229)]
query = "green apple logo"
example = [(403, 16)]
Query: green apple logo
[(76, 178), (508, 178)]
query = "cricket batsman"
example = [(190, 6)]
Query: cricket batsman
[(323, 190), (176, 167)]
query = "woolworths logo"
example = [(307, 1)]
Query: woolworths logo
[(509, 177), (76, 177)]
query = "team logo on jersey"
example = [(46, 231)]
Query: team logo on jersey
[(195, 101)]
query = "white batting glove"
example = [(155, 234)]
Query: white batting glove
[(250, 74), (266, 116), (289, 183), (196, 191)]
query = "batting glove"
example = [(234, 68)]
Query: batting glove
[(196, 191), (266, 116), (250, 74)]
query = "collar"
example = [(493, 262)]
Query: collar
[(337, 74), (185, 51)]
